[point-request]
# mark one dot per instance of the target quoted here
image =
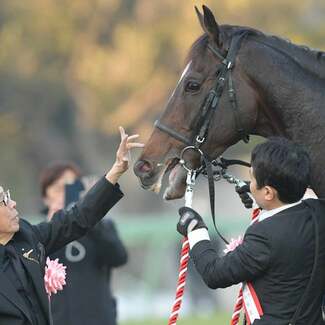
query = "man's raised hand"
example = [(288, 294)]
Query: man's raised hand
[(123, 155)]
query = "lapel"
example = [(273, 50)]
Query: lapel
[(33, 269), (10, 292)]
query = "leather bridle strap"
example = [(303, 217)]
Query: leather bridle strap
[(171, 132), (233, 100), (209, 171), (228, 64)]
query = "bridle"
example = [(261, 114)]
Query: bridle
[(211, 101), (208, 107)]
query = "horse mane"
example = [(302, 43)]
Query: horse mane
[(309, 59)]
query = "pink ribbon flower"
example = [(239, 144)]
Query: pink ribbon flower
[(54, 278), (233, 244)]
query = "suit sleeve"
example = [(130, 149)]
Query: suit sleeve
[(247, 262), (72, 223), (109, 247)]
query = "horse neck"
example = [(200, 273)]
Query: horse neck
[(290, 96), (291, 103), (311, 60)]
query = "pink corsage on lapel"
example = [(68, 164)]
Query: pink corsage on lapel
[(233, 244), (54, 278)]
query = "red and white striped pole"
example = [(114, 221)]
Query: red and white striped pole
[(185, 256), (180, 283)]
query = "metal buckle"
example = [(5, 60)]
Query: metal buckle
[(200, 140), (182, 161)]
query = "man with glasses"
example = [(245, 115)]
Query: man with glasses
[(9, 222), (24, 247)]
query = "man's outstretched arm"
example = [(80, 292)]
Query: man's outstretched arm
[(248, 261)]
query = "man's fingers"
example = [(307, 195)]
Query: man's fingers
[(122, 133), (132, 137), (135, 145), (124, 142)]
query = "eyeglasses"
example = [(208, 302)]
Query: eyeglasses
[(5, 198)]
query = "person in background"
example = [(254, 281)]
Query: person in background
[(24, 247), (87, 297)]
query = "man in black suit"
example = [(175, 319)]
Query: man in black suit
[(23, 299), (282, 256)]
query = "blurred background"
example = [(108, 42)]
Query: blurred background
[(71, 72)]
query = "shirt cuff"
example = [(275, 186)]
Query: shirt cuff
[(197, 235)]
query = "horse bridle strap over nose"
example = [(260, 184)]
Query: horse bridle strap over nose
[(172, 133), (211, 102)]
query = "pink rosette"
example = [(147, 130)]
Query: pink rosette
[(54, 278), (233, 244)]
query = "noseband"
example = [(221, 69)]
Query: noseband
[(211, 101)]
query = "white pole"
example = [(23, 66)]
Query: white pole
[(190, 182)]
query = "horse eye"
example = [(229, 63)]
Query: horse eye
[(192, 86)]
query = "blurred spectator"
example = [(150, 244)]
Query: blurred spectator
[(87, 298)]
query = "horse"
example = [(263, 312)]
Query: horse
[(237, 81)]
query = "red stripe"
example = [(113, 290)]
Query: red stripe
[(255, 298), (256, 213)]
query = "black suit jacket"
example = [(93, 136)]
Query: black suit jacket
[(277, 256), (92, 257), (36, 242)]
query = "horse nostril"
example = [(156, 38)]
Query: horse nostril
[(142, 167)]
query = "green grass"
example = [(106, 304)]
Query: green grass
[(220, 319)]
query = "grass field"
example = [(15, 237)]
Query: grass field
[(220, 319)]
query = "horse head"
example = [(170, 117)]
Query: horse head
[(213, 56)]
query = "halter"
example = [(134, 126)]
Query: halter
[(211, 101)]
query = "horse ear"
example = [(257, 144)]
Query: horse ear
[(211, 26), (200, 17)]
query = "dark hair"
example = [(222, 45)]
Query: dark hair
[(284, 165), (54, 171)]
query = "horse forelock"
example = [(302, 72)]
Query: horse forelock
[(198, 48)]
